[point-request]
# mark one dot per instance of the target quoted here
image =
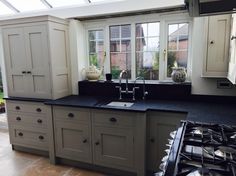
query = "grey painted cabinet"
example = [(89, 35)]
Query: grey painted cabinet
[(159, 126), (36, 57)]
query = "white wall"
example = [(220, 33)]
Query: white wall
[(203, 85)]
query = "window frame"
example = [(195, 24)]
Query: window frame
[(165, 19)]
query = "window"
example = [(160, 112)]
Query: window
[(96, 48), (177, 46), (146, 47), (147, 50), (120, 49)]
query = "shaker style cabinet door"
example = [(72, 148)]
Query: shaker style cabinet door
[(217, 54), (232, 61), (113, 147), (15, 61), (37, 55), (73, 141)]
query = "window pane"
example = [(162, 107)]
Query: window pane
[(26, 5), (92, 35), (153, 29), (141, 30), (172, 43), (125, 45), (148, 65), (92, 47), (173, 29), (4, 10), (178, 57), (119, 62), (60, 3), (141, 44), (153, 44), (114, 32), (125, 31), (100, 46), (99, 35), (97, 59), (183, 42), (115, 46)]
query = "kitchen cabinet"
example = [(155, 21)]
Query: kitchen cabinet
[(36, 57), (73, 134), (216, 59), (159, 127), (232, 61), (30, 125)]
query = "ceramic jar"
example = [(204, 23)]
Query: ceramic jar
[(178, 74), (93, 73)]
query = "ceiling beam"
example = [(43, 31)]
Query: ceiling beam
[(10, 6), (46, 3)]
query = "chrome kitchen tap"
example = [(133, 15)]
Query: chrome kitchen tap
[(144, 88), (126, 91)]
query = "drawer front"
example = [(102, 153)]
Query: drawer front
[(26, 119), (113, 118), (71, 114), (29, 138), (29, 107)]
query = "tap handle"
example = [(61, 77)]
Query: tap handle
[(135, 88), (118, 87)]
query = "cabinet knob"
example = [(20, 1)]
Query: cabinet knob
[(39, 121), (233, 37), (20, 134), (70, 115), (23, 72), (113, 119), (97, 143), (85, 141), (152, 140), (38, 109), (18, 118), (17, 107), (41, 137), (212, 42)]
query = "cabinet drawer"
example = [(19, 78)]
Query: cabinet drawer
[(29, 107), (71, 114), (25, 119), (29, 138), (113, 118)]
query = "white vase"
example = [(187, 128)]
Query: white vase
[(178, 74)]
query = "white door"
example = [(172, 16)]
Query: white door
[(37, 55), (15, 59), (232, 61)]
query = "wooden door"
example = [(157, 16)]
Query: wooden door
[(73, 141), (218, 44), (15, 61), (113, 147), (38, 65), (232, 61)]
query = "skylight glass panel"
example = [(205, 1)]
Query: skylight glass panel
[(4, 10), (61, 3), (27, 5), (97, 0)]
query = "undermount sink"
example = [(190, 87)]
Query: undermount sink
[(120, 104)]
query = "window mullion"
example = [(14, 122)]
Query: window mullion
[(133, 52), (163, 47), (107, 65)]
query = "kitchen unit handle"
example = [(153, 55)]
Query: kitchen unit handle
[(41, 137), (152, 140), (233, 37), (18, 118), (71, 115), (113, 119), (212, 42), (97, 143), (28, 72), (39, 121), (85, 141), (23, 72), (20, 134), (17, 107), (38, 109)]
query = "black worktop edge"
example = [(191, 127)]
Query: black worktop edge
[(26, 99)]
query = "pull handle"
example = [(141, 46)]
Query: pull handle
[(152, 140), (38, 109), (28, 72), (20, 134), (23, 72), (97, 143), (85, 141), (164, 53), (17, 107), (18, 118), (233, 38), (39, 121), (113, 119), (212, 42), (71, 115), (41, 137)]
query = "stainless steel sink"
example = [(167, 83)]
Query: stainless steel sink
[(120, 104)]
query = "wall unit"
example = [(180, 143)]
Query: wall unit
[(30, 125), (36, 57), (101, 137), (232, 61), (216, 60), (159, 127)]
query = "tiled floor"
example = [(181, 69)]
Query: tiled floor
[(13, 163)]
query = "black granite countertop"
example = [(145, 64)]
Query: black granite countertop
[(196, 111)]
